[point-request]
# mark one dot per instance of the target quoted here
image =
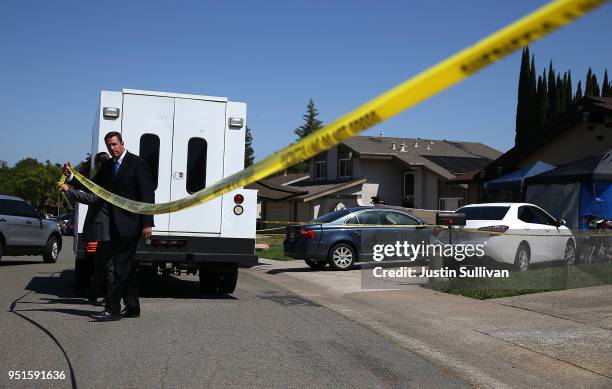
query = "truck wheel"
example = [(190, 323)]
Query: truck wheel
[(51, 250), (220, 278), (229, 279), (315, 265)]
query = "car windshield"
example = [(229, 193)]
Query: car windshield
[(332, 216), (484, 213)]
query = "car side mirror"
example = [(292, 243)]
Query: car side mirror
[(561, 222)]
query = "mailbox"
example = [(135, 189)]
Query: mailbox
[(450, 219)]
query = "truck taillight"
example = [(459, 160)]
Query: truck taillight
[(307, 233), (91, 247), (238, 199), (495, 229)]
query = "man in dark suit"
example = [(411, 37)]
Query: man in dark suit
[(129, 176), (95, 228)]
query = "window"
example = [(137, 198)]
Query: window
[(369, 217), (395, 218), (16, 208), (345, 166), (332, 216), (320, 170), (196, 164), (149, 151), (351, 220), (534, 215), (484, 213)]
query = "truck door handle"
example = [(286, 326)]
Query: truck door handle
[(178, 175), (28, 222), (2, 220)]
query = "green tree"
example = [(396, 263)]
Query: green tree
[(542, 103), (605, 87), (522, 105), (578, 91), (311, 124), (552, 93), (249, 153)]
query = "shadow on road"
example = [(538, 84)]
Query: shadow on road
[(15, 263)]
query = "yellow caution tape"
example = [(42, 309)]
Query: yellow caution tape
[(426, 84)]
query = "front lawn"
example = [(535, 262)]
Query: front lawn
[(534, 281), (275, 241)]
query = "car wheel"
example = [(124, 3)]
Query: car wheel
[(52, 249), (522, 258), (342, 257), (315, 265), (570, 253)]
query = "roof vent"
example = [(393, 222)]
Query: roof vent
[(429, 144), (381, 136), (416, 142), (393, 147), (403, 149)]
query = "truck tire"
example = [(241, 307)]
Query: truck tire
[(51, 250), (218, 278)]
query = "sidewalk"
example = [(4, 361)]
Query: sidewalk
[(558, 339)]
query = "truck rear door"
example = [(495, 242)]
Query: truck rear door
[(197, 162)]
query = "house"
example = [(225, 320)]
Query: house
[(583, 130), (407, 172)]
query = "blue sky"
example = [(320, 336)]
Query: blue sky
[(57, 56)]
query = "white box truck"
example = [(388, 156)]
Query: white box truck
[(190, 142)]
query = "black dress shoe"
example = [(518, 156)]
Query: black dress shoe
[(105, 316), (127, 313)]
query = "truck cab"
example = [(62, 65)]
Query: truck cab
[(189, 142)]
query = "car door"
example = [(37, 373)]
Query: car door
[(30, 224), (9, 223), (405, 228), (366, 232), (535, 233), (556, 238)]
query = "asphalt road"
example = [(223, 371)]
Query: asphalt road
[(261, 336)]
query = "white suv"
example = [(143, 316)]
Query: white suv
[(23, 232)]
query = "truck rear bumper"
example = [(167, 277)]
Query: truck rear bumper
[(191, 250)]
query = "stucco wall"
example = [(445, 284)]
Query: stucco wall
[(579, 142)]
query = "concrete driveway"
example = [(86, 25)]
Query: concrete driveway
[(554, 339)]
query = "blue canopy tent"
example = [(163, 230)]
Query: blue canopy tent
[(571, 191), (510, 187)]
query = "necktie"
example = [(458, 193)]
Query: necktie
[(116, 167)]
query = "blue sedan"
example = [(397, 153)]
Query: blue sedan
[(341, 238)]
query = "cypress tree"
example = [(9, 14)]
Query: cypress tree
[(249, 153), (552, 93), (605, 87), (522, 100), (558, 95), (578, 91), (595, 85), (569, 89), (532, 101), (562, 90), (543, 105), (588, 89)]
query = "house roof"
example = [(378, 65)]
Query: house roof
[(315, 191), (446, 158), (287, 179), (272, 191), (567, 120)]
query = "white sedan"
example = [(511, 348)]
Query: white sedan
[(515, 233)]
